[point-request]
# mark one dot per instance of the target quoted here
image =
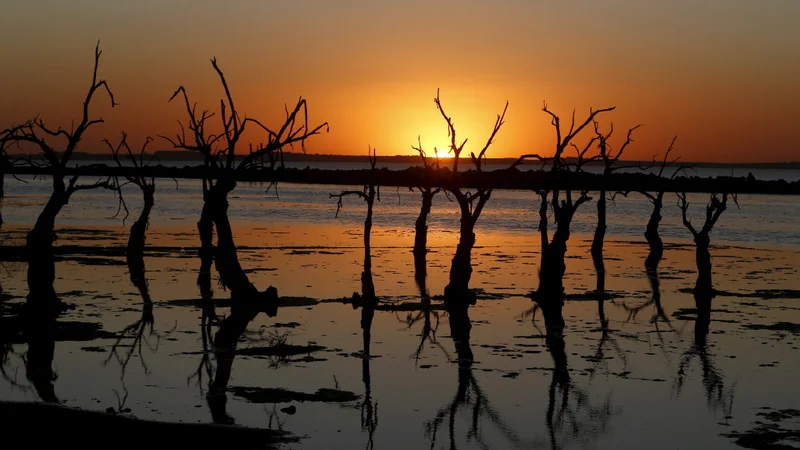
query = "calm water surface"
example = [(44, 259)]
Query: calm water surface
[(647, 380)]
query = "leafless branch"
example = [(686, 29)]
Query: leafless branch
[(563, 141)]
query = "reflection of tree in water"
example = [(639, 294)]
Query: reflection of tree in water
[(40, 332), (470, 398), (367, 301), (40, 328), (230, 330), (717, 396), (141, 331), (369, 409), (658, 315), (607, 338), (426, 314), (571, 415)]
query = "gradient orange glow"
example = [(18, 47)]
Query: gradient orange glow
[(722, 75)]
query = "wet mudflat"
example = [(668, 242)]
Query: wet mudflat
[(648, 375)]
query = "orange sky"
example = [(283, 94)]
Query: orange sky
[(723, 75)]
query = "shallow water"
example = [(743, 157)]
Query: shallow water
[(644, 381)]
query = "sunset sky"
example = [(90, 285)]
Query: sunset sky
[(722, 75)]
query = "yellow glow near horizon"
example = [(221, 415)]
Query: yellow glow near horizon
[(724, 84)]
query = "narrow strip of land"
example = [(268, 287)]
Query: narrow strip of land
[(444, 178)]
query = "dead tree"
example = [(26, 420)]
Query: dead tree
[(549, 296), (421, 225), (471, 204), (55, 157), (704, 290), (657, 200), (367, 299), (610, 161), (142, 329), (222, 164), (136, 240)]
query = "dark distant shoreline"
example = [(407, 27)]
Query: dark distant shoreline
[(181, 155)]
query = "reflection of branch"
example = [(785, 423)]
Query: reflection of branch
[(570, 411), (428, 332), (659, 315), (717, 397), (140, 331), (206, 365), (369, 409), (471, 399)]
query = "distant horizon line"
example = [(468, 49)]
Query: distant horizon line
[(188, 155)]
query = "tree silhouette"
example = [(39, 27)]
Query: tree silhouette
[(56, 158), (421, 224), (610, 162), (549, 296), (223, 164), (657, 199), (702, 239), (471, 204), (136, 240), (367, 299)]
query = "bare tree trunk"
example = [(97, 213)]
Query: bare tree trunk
[(42, 232), (600, 274), (652, 236), (205, 227), (703, 257), (421, 240), (39, 245), (550, 294), (421, 271), (367, 287), (135, 252), (600, 231), (368, 298), (225, 257), (421, 225), (461, 267)]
